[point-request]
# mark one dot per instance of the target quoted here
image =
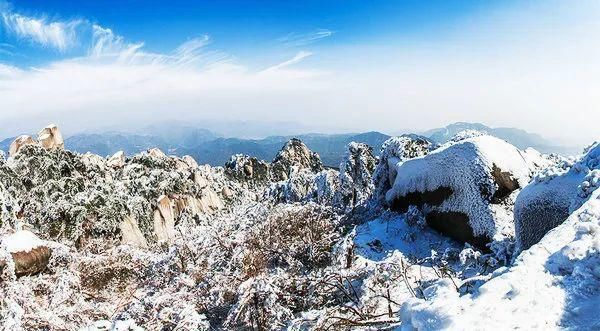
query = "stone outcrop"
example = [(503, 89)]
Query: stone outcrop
[(294, 154), (117, 160), (51, 138), (131, 233), (30, 255), (164, 219), (18, 143), (247, 169), (156, 152), (553, 195)]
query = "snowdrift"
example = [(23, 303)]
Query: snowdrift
[(554, 284)]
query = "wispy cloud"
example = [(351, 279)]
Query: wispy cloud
[(297, 58), (7, 71), (302, 39), (60, 35)]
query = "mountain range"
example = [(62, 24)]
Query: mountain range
[(212, 148)]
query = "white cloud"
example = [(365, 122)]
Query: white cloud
[(8, 72), (534, 67), (297, 58), (58, 35), (302, 39)]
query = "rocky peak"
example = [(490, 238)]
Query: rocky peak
[(294, 154)]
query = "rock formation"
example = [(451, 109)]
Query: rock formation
[(294, 154), (553, 195), (394, 151), (30, 255), (117, 160), (50, 137), (18, 143), (462, 188), (247, 169)]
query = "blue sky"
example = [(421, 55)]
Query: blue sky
[(256, 30), (328, 65)]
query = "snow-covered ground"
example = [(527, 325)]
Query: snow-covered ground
[(158, 242)]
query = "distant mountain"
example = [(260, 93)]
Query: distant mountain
[(208, 148), (520, 138), (331, 148), (109, 143)]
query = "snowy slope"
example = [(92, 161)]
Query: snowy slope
[(555, 284)]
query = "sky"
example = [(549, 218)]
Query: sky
[(333, 66)]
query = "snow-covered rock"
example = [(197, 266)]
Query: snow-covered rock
[(555, 284), (28, 253), (394, 151), (464, 188), (294, 154), (117, 160), (553, 194), (247, 169)]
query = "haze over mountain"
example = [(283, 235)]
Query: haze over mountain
[(518, 137), (215, 148)]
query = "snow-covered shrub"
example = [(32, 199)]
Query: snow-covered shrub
[(356, 170), (394, 151), (297, 237)]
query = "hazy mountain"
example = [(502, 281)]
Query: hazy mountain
[(520, 138), (207, 147), (331, 148)]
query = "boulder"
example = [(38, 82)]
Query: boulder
[(294, 154), (117, 160), (553, 195), (18, 143), (29, 253), (190, 161), (155, 152), (463, 188), (51, 138)]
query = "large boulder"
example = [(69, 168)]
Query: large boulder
[(30, 255), (19, 142), (51, 138), (553, 195), (294, 154), (464, 188)]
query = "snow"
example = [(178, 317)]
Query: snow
[(560, 189), (554, 284), (465, 167), (21, 241), (314, 250)]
